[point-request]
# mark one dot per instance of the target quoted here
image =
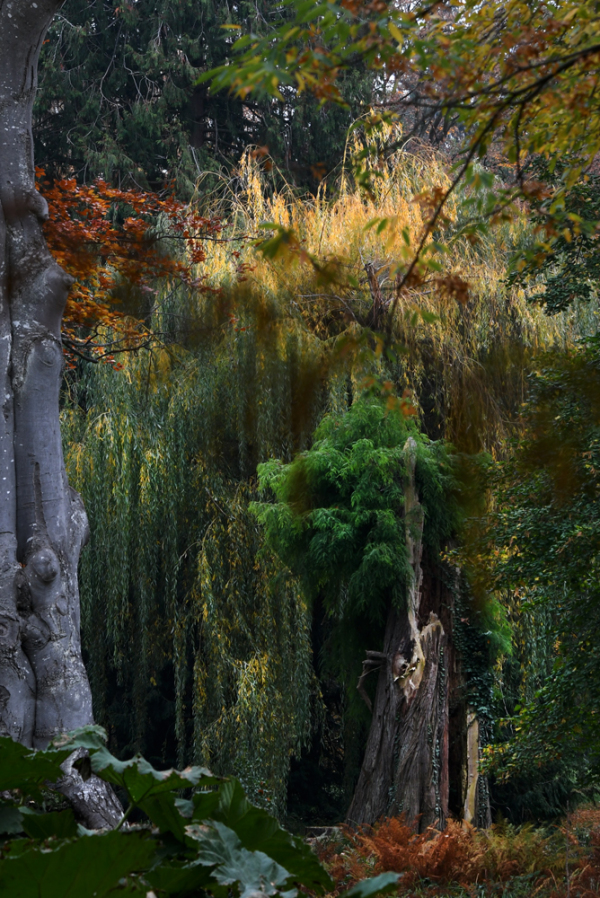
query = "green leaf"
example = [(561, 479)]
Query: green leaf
[(28, 770), (376, 885), (204, 805), (140, 778), (164, 813), (83, 868), (134, 888), (137, 776), (253, 870), (180, 878), (259, 831), (11, 820), (55, 823)]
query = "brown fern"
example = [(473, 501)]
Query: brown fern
[(459, 860)]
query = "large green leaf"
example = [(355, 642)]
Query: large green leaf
[(141, 780), (376, 885), (137, 776), (252, 870), (55, 823), (129, 889), (259, 831), (204, 805), (11, 820), (164, 813), (182, 878), (241, 842), (28, 770), (80, 868)]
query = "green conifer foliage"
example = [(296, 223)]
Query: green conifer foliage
[(339, 515), (119, 97), (338, 520)]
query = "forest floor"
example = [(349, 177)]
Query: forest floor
[(562, 861)]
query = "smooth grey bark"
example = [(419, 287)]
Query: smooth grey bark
[(44, 689), (405, 766)]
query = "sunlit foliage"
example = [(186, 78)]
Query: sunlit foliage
[(338, 280)]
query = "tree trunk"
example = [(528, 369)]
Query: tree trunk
[(405, 767), (44, 690), (423, 749)]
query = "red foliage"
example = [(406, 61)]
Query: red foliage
[(462, 860), (106, 239)]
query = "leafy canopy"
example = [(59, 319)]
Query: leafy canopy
[(338, 516), (541, 550)]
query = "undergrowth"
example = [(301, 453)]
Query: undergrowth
[(462, 862)]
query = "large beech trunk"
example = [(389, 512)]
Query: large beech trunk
[(418, 738), (44, 690)]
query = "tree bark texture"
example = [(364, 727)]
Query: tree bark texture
[(476, 809), (44, 690), (415, 761)]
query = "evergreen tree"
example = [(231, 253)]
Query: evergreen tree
[(119, 97)]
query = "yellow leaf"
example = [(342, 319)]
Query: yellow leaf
[(395, 32), (569, 16)]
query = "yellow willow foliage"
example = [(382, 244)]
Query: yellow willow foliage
[(464, 357), (197, 642)]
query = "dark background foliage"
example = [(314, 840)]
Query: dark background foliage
[(118, 98)]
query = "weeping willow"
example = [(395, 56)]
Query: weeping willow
[(464, 362), (198, 641)]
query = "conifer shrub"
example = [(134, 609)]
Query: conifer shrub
[(338, 519), (337, 522)]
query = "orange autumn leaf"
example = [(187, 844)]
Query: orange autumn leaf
[(107, 239)]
